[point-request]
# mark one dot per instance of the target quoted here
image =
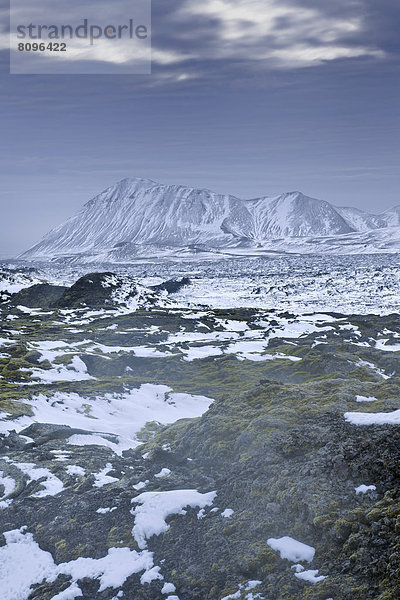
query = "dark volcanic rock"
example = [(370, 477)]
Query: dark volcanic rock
[(89, 290), (44, 432), (41, 295), (172, 285)]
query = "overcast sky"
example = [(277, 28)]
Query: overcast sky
[(246, 97)]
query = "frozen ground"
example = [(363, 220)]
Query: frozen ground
[(362, 284), (254, 365)]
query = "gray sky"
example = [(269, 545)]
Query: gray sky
[(249, 98)]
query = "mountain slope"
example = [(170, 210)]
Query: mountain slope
[(360, 220), (143, 212), (138, 214), (391, 216), (296, 215)]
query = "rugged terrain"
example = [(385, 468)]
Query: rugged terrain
[(152, 450)]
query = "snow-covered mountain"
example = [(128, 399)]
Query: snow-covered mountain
[(295, 215), (139, 215), (360, 220), (392, 216)]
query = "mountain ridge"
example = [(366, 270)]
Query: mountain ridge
[(138, 213)]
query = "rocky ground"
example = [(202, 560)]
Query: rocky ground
[(152, 451)]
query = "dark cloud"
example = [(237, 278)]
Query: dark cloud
[(288, 34)]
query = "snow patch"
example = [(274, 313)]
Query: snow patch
[(243, 588), (101, 478), (311, 575), (140, 485), (51, 484), (103, 511), (163, 473), (23, 564), (8, 485), (359, 418), (155, 507), (291, 549), (363, 489), (75, 471), (167, 588), (365, 399)]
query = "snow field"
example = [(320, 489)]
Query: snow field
[(119, 415)]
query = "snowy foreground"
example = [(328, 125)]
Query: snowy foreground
[(159, 445), (301, 284)]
